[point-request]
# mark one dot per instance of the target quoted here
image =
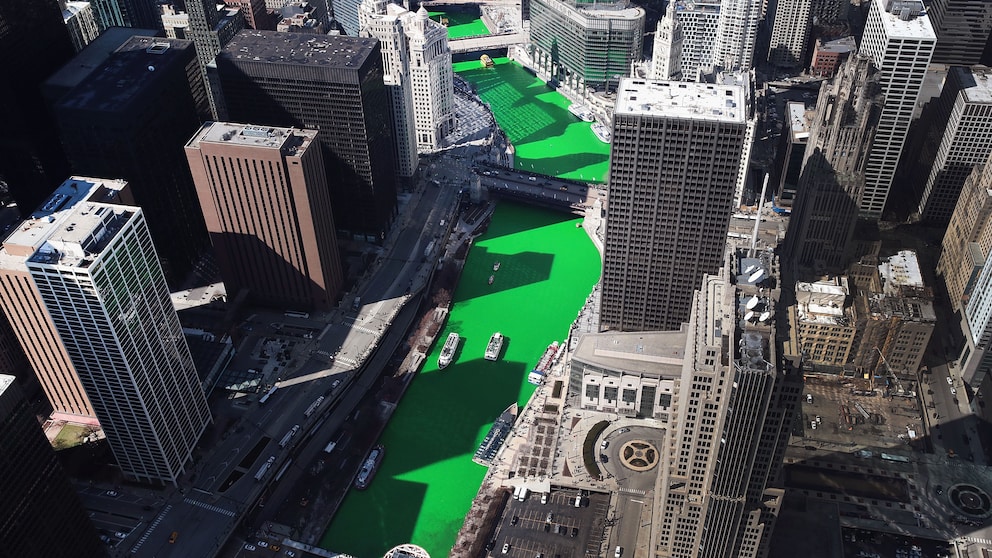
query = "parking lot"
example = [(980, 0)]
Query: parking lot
[(553, 529)]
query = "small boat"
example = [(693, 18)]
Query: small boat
[(491, 279), (582, 112), (486, 61), (496, 266), (369, 468), (494, 347), (602, 132), (496, 436), (448, 350)]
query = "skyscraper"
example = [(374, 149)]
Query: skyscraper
[(956, 140), (34, 42), (578, 46), (22, 303), (102, 284), (900, 41), (676, 154), (717, 495), (331, 83), (130, 118), (700, 24), (80, 22), (832, 180), (790, 29), (666, 58), (962, 28), (210, 29), (40, 514), (736, 34), (247, 179)]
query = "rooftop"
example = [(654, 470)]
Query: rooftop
[(5, 382), (843, 44), (977, 82), (95, 53), (906, 20), (900, 270), (126, 73), (83, 234), (699, 5), (822, 301), (797, 121), (299, 48), (677, 99), (272, 137), (657, 352)]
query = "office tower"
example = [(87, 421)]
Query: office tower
[(130, 118), (22, 303), (828, 56), (210, 29), (346, 14), (790, 29), (826, 12), (666, 58), (736, 34), (956, 139), (101, 282), (794, 141), (13, 361), (700, 22), (247, 179), (40, 514), (140, 13), (108, 14), (175, 22), (900, 41), (34, 42), (578, 46), (716, 494), (962, 28), (79, 20), (676, 155), (833, 180), (330, 83)]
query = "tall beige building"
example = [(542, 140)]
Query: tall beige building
[(968, 240), (265, 200), (22, 304)]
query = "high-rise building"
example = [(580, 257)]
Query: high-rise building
[(81, 23), (666, 58), (346, 15), (578, 46), (175, 22), (790, 30), (832, 181), (828, 56), (717, 494), (962, 28), (210, 28), (331, 83), (130, 118), (22, 303), (254, 12), (826, 12), (795, 137), (676, 155), (700, 23), (108, 14), (956, 139), (900, 41), (40, 514), (737, 33), (247, 179), (102, 284), (34, 42)]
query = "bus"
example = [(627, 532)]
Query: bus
[(267, 395), (295, 314)]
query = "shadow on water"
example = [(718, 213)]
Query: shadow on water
[(515, 270)]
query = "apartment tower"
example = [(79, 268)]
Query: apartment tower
[(832, 181), (736, 34), (900, 41), (40, 514), (790, 29), (250, 178), (34, 43), (676, 154), (24, 308), (130, 118), (956, 139), (102, 284), (333, 84), (700, 25)]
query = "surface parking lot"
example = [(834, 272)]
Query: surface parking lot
[(528, 529)]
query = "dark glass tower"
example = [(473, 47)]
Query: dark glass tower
[(40, 515), (131, 118), (34, 42), (333, 84)]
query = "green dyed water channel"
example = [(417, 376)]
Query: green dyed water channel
[(427, 480), (548, 139), (461, 25)]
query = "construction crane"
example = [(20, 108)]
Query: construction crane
[(900, 390)]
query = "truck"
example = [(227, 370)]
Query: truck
[(264, 468), (357, 303), (289, 436)]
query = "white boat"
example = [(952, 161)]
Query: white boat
[(494, 347), (491, 279), (448, 350), (581, 112), (496, 266), (602, 132)]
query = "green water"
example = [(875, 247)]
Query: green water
[(427, 480), (461, 25), (548, 139)]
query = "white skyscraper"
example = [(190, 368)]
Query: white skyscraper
[(101, 282), (736, 34), (700, 22), (900, 40), (666, 60), (789, 32), (417, 62)]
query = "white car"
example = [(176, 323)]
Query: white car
[(618, 552), (506, 547), (954, 391), (249, 547), (263, 544), (949, 380)]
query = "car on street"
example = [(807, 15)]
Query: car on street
[(618, 552), (112, 493), (603, 458), (249, 547), (120, 535), (263, 544), (605, 444), (506, 547), (949, 380), (515, 520)]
